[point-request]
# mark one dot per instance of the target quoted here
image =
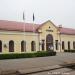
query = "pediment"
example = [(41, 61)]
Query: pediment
[(48, 26)]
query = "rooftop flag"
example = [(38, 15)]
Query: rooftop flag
[(23, 16), (33, 17)]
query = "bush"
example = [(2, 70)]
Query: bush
[(27, 55), (72, 51)]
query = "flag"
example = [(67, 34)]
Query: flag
[(33, 17), (23, 16)]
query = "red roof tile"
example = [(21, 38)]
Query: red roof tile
[(18, 26), (29, 27), (68, 31)]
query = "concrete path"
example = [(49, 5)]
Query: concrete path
[(29, 63)]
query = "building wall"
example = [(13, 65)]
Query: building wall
[(49, 28), (43, 31), (67, 38), (17, 37)]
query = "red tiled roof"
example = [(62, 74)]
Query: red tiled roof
[(29, 27), (17, 26), (68, 31)]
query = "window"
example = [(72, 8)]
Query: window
[(33, 46), (73, 44), (11, 46), (0, 46), (68, 45), (56, 44), (63, 46), (49, 27), (23, 46), (43, 44)]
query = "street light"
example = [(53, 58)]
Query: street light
[(41, 42)]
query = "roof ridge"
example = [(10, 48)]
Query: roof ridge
[(18, 22), (14, 25), (68, 28)]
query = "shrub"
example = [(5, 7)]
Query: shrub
[(27, 55), (72, 51)]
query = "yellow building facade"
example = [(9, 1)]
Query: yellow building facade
[(18, 37)]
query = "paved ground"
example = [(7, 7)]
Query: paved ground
[(29, 63), (56, 72), (36, 62)]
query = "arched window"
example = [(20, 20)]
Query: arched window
[(33, 46), (56, 44), (43, 43), (0, 46), (68, 45), (63, 45), (11, 46), (73, 44), (23, 46)]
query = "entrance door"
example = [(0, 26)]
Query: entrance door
[(49, 42)]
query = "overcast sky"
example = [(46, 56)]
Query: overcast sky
[(58, 11)]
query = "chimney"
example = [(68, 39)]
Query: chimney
[(60, 26)]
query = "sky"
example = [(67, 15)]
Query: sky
[(60, 12)]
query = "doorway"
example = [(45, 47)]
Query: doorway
[(49, 42)]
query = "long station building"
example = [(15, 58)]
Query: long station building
[(20, 37)]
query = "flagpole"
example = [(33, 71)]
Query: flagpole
[(24, 20), (34, 30), (24, 29), (33, 22)]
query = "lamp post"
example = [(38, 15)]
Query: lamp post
[(41, 43)]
